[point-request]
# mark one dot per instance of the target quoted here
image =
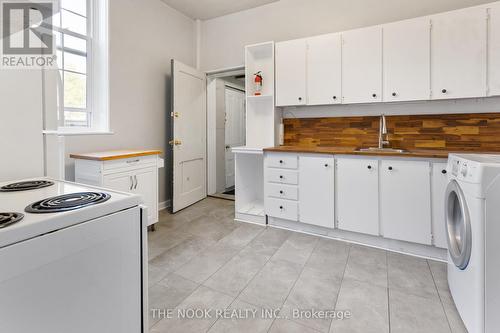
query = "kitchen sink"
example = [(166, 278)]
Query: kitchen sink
[(381, 150)]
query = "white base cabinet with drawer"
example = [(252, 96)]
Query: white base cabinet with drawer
[(405, 205), (137, 175), (382, 201), (357, 195)]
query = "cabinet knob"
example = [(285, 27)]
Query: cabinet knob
[(326, 165), (374, 95), (281, 161), (444, 172), (281, 207), (300, 98), (444, 91), (369, 167), (394, 94), (334, 97), (281, 192), (281, 177), (390, 168)]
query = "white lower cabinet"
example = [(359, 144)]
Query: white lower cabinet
[(438, 186), (405, 206), (317, 190), (357, 195), (400, 199), (138, 175)]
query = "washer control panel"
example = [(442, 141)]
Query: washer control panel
[(464, 169)]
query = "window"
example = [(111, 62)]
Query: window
[(81, 38)]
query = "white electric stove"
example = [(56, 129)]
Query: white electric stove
[(73, 258)]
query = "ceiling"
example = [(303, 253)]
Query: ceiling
[(207, 9)]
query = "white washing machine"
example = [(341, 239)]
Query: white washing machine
[(472, 206)]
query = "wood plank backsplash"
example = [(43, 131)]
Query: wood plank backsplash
[(451, 132)]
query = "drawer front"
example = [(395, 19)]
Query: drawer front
[(130, 163), (289, 192), (282, 176), (283, 209), (284, 161)]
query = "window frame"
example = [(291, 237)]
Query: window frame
[(97, 73)]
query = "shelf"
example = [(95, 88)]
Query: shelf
[(247, 150), (260, 97), (254, 208)]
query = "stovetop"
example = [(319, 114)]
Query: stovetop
[(63, 204), (7, 219), (26, 185), (67, 202)]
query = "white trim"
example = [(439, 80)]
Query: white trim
[(70, 131), (224, 72), (164, 205), (392, 245)]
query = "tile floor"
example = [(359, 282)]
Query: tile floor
[(201, 259)]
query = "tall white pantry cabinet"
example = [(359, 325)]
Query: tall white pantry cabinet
[(127, 171)]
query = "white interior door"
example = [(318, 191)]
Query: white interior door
[(189, 142), (235, 128)]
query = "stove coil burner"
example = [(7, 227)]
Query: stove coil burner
[(25, 186), (7, 219), (67, 202)]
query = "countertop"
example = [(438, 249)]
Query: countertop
[(352, 151), (114, 154)]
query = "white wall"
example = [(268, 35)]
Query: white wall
[(223, 38), (21, 139), (144, 36)]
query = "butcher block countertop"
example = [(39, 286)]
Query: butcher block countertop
[(114, 154), (351, 151)]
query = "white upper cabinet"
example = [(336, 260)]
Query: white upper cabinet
[(458, 54), (357, 195), (405, 204), (407, 60), (291, 72), (494, 50), (362, 65), (324, 68)]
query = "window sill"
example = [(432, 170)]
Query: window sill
[(76, 132)]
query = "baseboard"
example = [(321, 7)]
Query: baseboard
[(164, 205)]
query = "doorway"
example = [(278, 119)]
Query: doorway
[(226, 123)]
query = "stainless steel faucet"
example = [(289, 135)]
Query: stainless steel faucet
[(382, 134)]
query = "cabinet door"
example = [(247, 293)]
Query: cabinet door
[(458, 56), (145, 186), (405, 204), (123, 181), (357, 195), (438, 186), (324, 69), (362, 65), (316, 190), (407, 60), (494, 50), (291, 72)]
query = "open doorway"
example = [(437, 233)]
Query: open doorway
[(226, 125)]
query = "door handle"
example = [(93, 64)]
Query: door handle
[(136, 182), (175, 142), (131, 183)]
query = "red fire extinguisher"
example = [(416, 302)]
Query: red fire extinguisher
[(258, 83)]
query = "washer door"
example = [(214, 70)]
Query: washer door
[(458, 226)]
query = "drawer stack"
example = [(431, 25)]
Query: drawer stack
[(281, 186)]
